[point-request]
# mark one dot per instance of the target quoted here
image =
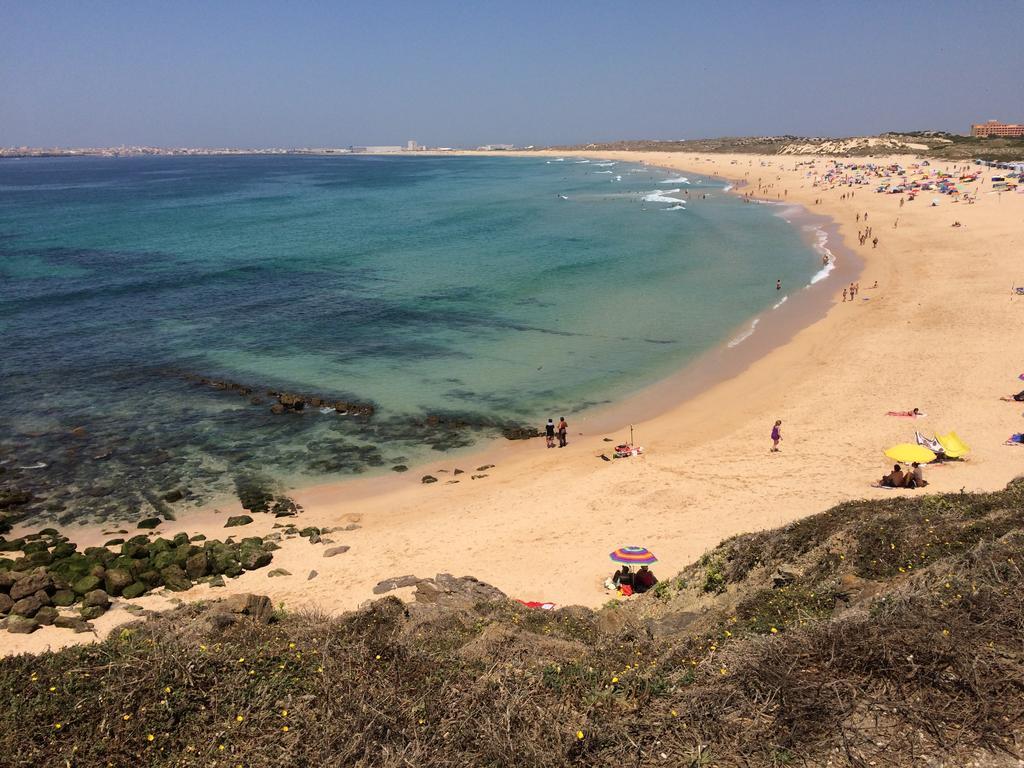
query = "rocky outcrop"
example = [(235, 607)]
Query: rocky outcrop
[(49, 573), (287, 402)]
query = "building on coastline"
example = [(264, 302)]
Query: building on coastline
[(493, 147), (411, 145), (379, 150), (996, 128)]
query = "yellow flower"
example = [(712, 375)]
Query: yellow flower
[(615, 679), (126, 717), (579, 735), (378, 657), (291, 645), (167, 689), (284, 713), (775, 631), (240, 660), (221, 747), (285, 728), (150, 737), (945, 633), (728, 633), (674, 713), (319, 669), (724, 671), (57, 726), (239, 718)]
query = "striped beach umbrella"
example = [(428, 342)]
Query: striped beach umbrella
[(633, 556)]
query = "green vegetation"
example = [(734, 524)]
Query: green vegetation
[(882, 632)]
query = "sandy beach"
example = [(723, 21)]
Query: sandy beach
[(940, 333)]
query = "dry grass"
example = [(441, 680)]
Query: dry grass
[(929, 672)]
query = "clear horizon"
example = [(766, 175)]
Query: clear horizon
[(315, 74)]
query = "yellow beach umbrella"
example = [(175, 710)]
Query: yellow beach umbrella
[(907, 453), (954, 447)]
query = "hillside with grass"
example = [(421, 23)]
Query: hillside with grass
[(878, 633)]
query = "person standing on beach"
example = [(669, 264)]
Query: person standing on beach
[(563, 431), (776, 435), (778, 285), (874, 243), (844, 295), (549, 433)]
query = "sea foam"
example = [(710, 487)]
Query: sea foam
[(659, 196), (678, 180), (746, 334)]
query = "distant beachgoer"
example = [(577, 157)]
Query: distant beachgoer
[(915, 479), (856, 287), (623, 576), (844, 295), (778, 285), (858, 217), (901, 202), (874, 243), (549, 433), (865, 215), (894, 479), (776, 435), (851, 291), (563, 429), (875, 285), (643, 580)]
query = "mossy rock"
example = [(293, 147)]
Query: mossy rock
[(151, 577), (64, 549), (198, 537), (49, 532), (63, 598), (90, 612), (160, 545), (39, 558), (12, 545), (197, 565), (99, 554), (149, 523), (182, 554), (35, 546), (114, 543), (86, 584), (117, 579), (73, 567), (180, 539), (237, 520), (163, 559), (133, 590), (134, 550), (6, 564), (175, 579), (46, 615), (310, 531)]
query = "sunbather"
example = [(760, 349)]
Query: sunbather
[(643, 580), (895, 479), (1018, 398), (906, 414), (915, 477)]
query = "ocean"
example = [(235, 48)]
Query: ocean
[(149, 305)]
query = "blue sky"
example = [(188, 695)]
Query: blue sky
[(462, 73)]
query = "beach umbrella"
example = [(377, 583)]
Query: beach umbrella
[(907, 453), (633, 556)]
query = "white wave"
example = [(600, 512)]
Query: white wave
[(37, 465), (679, 207), (727, 187), (830, 263), (780, 302), (580, 162), (602, 171), (617, 178), (746, 334), (678, 180), (611, 162), (658, 196), (556, 160), (325, 411)]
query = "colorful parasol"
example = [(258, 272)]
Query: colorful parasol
[(633, 556)]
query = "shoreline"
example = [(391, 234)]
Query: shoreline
[(540, 529)]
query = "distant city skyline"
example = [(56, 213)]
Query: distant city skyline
[(318, 74)]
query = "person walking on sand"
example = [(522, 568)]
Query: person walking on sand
[(776, 435), (844, 295), (563, 432), (549, 433), (874, 243)]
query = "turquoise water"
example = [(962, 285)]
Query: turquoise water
[(493, 291)]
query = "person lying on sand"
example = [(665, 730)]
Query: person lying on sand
[(1018, 398), (913, 414), (895, 479), (643, 580)]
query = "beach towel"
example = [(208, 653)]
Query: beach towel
[(1015, 439), (626, 450), (905, 414), (535, 604)]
